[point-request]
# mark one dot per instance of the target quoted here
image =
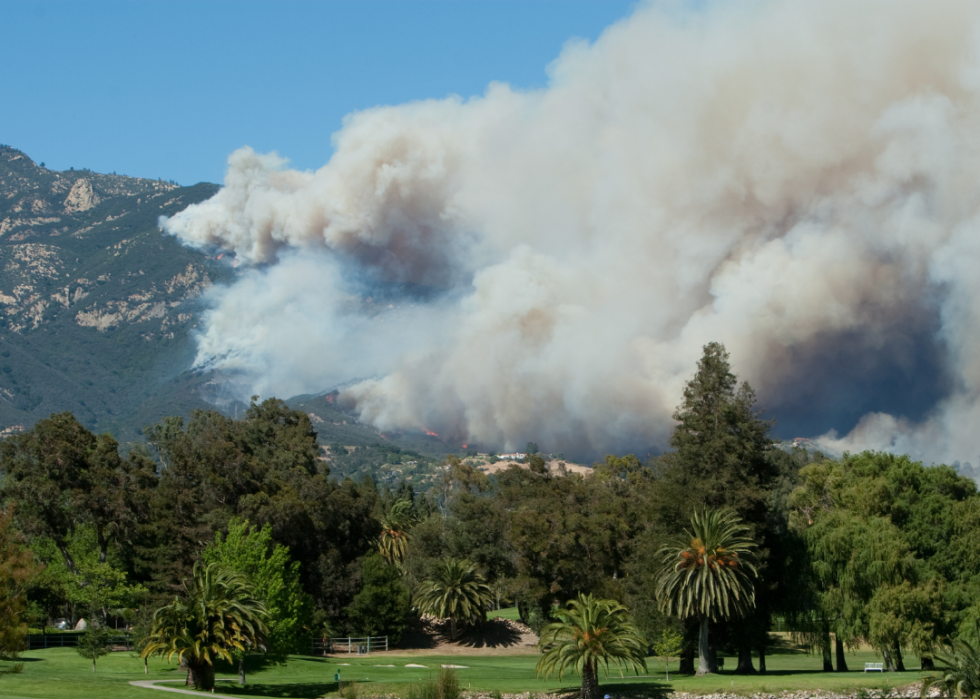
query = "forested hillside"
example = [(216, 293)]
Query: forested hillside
[(96, 304)]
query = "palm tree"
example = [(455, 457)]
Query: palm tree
[(960, 670), (591, 633), (394, 538), (219, 615), (705, 574), (456, 591)]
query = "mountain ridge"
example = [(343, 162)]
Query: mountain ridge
[(98, 308)]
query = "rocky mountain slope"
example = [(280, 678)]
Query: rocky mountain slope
[(98, 309), (96, 304)]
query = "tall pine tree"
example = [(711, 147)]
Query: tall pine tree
[(720, 441), (719, 460)]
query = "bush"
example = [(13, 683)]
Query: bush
[(423, 690), (94, 643), (383, 606), (445, 686), (349, 690), (449, 687)]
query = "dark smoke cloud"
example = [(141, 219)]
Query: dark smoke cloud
[(796, 180)]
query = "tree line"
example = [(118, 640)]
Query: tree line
[(870, 547)]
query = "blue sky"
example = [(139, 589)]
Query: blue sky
[(169, 89)]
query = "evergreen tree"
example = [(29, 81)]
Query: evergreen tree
[(61, 475), (94, 643), (720, 459), (383, 606), (720, 442)]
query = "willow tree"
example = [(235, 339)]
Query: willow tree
[(707, 574), (591, 633), (860, 563), (217, 617)]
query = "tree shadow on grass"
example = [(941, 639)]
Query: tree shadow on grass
[(780, 645), (297, 690), (622, 690), (495, 633), (418, 636)]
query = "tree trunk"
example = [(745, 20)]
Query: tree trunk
[(899, 663), (103, 544), (745, 666), (241, 670), (69, 561), (201, 676), (452, 628), (828, 663), (889, 662), (841, 660), (926, 663), (590, 681), (704, 653), (146, 667), (523, 613), (687, 661), (762, 658)]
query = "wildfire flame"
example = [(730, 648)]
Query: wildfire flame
[(430, 433)]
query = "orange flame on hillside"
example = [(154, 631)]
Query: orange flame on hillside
[(430, 433)]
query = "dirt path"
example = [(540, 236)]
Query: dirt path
[(152, 684)]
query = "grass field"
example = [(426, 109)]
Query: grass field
[(506, 613), (61, 674)]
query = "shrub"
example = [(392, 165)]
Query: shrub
[(349, 690), (445, 686)]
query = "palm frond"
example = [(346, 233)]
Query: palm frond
[(590, 632), (708, 571), (219, 615)]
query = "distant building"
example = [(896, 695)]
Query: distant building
[(10, 431), (511, 457)]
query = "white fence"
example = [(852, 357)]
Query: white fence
[(350, 644)]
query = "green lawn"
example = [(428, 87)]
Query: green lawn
[(61, 673), (506, 613)]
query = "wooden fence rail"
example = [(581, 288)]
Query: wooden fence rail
[(349, 644)]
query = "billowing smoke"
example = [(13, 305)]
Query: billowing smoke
[(796, 180)]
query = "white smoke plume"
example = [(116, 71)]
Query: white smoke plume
[(796, 180)]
